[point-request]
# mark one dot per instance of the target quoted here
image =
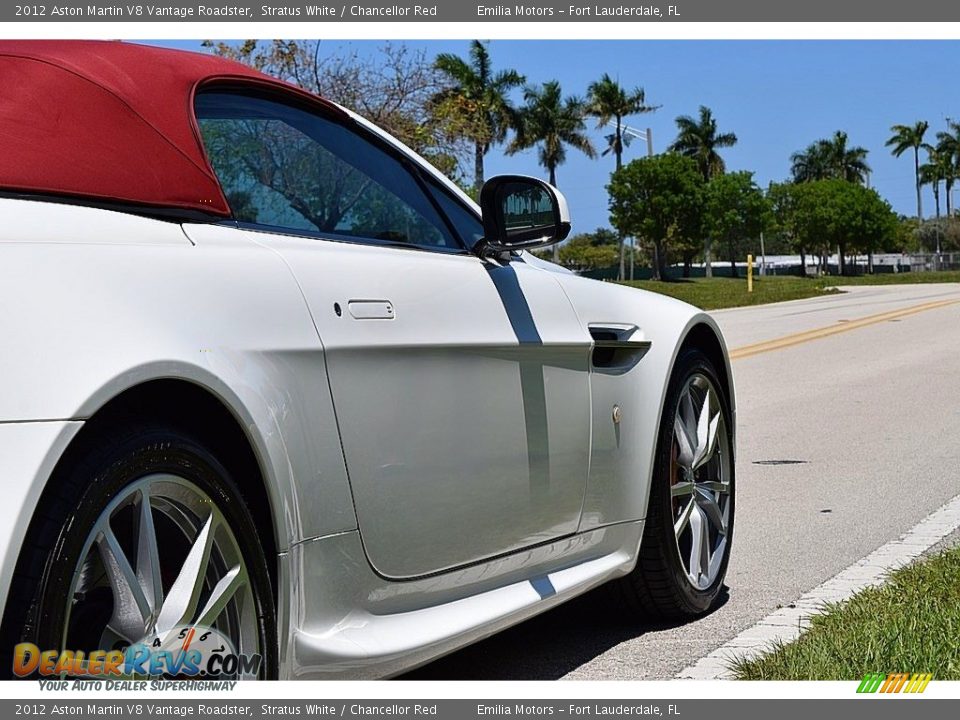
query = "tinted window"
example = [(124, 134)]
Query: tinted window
[(284, 167), (466, 223)]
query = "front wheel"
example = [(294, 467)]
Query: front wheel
[(689, 526)]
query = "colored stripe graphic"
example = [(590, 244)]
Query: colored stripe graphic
[(894, 683), (871, 682)]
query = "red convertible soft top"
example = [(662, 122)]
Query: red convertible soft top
[(112, 122)]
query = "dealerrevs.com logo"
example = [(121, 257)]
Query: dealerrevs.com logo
[(184, 652)]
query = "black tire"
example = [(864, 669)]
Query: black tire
[(91, 475), (658, 586)]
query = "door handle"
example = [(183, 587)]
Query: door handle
[(371, 309)]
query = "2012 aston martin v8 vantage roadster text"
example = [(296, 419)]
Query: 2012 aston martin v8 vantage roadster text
[(277, 396)]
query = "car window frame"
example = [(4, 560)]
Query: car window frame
[(428, 186)]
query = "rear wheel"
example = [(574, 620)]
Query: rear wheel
[(144, 538), (689, 525)]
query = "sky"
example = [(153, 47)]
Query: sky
[(777, 96)]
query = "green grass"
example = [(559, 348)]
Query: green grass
[(722, 292), (717, 293), (911, 624), (908, 278)]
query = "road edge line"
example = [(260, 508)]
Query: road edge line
[(788, 623)]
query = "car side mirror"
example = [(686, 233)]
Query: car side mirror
[(522, 212)]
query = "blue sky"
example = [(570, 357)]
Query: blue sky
[(777, 96)]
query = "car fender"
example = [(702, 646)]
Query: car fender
[(623, 448)]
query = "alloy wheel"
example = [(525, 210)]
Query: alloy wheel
[(161, 556), (700, 486)]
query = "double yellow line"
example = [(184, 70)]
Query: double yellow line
[(802, 337)]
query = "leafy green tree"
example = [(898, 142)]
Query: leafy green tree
[(907, 137), (589, 251), (906, 236), (608, 101), (782, 199), (943, 233), (478, 102), (831, 158), (699, 139), (840, 214), (734, 210), (657, 199)]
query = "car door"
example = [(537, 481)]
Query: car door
[(461, 385)]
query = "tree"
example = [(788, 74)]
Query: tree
[(811, 164), (608, 101), (948, 145), (847, 163), (831, 158), (944, 232), (782, 199), (657, 199), (589, 251), (551, 122), (904, 138), (933, 172), (700, 140), (734, 209), (392, 89), (478, 101), (838, 213)]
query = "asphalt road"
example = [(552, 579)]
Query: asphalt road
[(844, 443)]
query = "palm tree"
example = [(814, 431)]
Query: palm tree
[(831, 158), (551, 122), (811, 164), (608, 101), (905, 137), (933, 173), (479, 98), (948, 146), (699, 139), (846, 163)]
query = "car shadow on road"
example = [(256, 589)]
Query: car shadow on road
[(548, 646)]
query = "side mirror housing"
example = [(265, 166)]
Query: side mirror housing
[(521, 212)]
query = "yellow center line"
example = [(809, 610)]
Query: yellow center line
[(808, 335)]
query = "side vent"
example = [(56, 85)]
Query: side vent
[(614, 348)]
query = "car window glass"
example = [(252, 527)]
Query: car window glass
[(467, 223), (283, 167)]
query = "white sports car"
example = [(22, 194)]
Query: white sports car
[(267, 375)]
